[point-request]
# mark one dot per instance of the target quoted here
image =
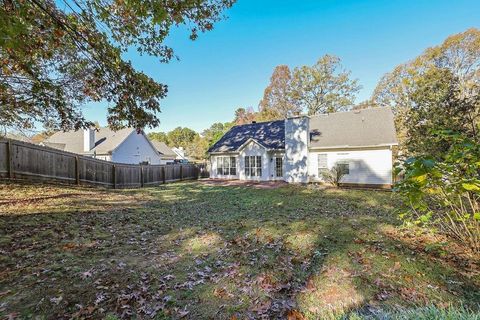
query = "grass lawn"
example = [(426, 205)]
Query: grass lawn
[(196, 251)]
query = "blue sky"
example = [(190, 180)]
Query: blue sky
[(230, 66)]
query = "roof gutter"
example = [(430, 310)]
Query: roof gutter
[(355, 147), (223, 152)]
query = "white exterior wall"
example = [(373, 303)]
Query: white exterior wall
[(213, 166), (88, 139), (135, 149), (272, 165), (251, 149), (296, 150), (367, 166), (165, 161), (254, 149), (104, 157)]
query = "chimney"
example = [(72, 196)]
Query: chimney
[(88, 139)]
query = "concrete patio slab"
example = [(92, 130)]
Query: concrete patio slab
[(244, 183)]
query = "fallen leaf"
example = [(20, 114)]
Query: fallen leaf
[(4, 293), (396, 266), (56, 300), (294, 315), (183, 313), (310, 284), (12, 316)]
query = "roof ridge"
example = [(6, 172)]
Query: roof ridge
[(349, 111), (252, 123)]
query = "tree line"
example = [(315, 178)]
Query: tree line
[(195, 144), (438, 90)]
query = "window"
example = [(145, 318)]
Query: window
[(253, 166), (233, 166), (322, 163), (278, 167), (226, 166), (344, 166)]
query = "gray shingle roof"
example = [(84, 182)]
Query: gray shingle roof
[(163, 149), (270, 134), (366, 127), (59, 146), (106, 140)]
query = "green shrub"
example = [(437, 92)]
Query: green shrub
[(444, 194), (334, 175)]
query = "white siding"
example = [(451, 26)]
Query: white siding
[(367, 166), (272, 165), (296, 150), (135, 149), (103, 157), (165, 161), (213, 166), (254, 149)]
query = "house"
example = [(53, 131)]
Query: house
[(167, 154), (299, 149), (180, 154), (123, 146)]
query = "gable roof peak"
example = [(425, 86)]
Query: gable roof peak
[(106, 140), (270, 134)]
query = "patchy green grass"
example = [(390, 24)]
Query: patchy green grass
[(190, 250)]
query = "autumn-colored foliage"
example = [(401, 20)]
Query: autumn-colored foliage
[(55, 56), (444, 193)]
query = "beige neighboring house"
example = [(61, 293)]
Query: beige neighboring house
[(300, 149), (123, 146), (167, 154)]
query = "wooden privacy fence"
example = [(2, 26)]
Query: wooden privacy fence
[(26, 161)]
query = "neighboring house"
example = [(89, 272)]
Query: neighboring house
[(298, 149), (167, 154), (180, 154), (16, 136), (123, 146)]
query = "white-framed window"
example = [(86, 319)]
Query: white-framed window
[(253, 166), (279, 167), (322, 163), (344, 166), (226, 166)]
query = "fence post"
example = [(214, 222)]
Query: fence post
[(114, 176), (163, 175), (141, 176), (77, 171), (10, 159), (181, 172)]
